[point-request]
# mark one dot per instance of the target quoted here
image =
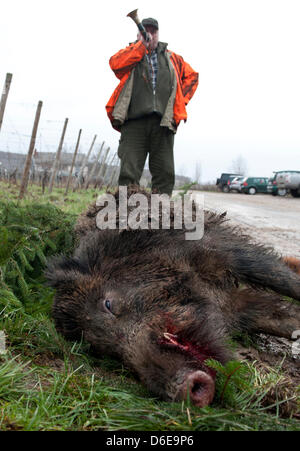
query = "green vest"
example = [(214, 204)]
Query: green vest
[(143, 100)]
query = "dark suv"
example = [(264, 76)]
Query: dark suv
[(224, 181)]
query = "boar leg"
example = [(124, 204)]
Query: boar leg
[(265, 313), (293, 263), (256, 265)]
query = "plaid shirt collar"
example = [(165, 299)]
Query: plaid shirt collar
[(153, 66)]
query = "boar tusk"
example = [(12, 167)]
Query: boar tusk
[(171, 338)]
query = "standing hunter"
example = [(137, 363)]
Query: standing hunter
[(148, 105)]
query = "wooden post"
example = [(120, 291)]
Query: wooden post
[(57, 157), (25, 177), (113, 175), (73, 162), (92, 173), (102, 168), (4, 96), (116, 174), (83, 165), (110, 163)]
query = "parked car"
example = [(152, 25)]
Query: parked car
[(283, 182), (253, 185), (225, 180), (236, 184)]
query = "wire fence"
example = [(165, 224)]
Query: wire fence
[(35, 149)]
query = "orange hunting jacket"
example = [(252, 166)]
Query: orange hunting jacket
[(185, 82)]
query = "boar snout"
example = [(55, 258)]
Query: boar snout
[(199, 387)]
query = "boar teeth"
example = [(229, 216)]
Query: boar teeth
[(171, 338)]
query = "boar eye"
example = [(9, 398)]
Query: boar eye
[(108, 305)]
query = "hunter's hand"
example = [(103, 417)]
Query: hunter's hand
[(147, 44)]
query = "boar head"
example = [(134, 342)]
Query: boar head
[(135, 296)]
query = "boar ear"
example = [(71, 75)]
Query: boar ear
[(67, 315), (62, 272)]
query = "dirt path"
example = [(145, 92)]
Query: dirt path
[(273, 221)]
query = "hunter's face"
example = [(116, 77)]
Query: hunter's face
[(154, 34)]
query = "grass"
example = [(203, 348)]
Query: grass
[(73, 203), (47, 383)]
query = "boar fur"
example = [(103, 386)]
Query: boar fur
[(164, 305)]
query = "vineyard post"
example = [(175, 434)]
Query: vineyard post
[(91, 174), (84, 163), (57, 157), (73, 162), (113, 173), (25, 177), (4, 96), (109, 163)]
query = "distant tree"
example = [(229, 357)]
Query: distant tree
[(198, 172), (239, 165), (182, 169)]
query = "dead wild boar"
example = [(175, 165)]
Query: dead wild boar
[(164, 305)]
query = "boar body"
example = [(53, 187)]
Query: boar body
[(165, 305)]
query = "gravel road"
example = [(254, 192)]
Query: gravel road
[(270, 220)]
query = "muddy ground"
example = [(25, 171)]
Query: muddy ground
[(272, 221)]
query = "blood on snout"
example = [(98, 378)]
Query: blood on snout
[(198, 385), (197, 352)]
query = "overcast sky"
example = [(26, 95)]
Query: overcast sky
[(246, 53)]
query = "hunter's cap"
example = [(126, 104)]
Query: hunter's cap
[(150, 21)]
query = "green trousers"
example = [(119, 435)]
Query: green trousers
[(140, 137)]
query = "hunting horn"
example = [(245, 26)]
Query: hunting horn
[(134, 16)]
